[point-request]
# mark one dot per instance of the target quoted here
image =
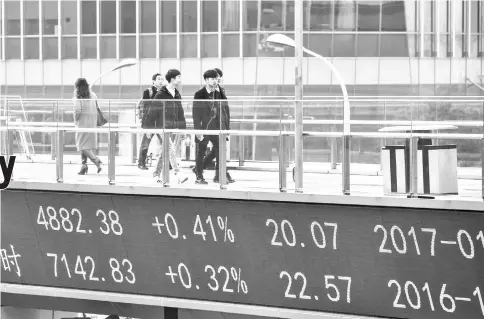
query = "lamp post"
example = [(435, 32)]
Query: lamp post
[(123, 64), (280, 39)]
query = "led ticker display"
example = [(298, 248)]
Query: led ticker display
[(376, 261)]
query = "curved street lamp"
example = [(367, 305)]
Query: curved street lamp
[(281, 39), (123, 64)]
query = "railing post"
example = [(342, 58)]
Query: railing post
[(134, 147), (112, 157), (10, 139), (482, 168), (241, 150), (165, 173), (345, 173), (282, 164), (334, 146), (54, 136), (59, 161), (222, 160), (413, 168)]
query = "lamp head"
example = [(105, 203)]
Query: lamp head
[(281, 39), (125, 63)]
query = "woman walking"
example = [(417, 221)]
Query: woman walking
[(85, 116)]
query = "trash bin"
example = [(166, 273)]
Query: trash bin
[(436, 169)]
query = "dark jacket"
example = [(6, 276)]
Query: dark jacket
[(206, 111), (169, 113), (144, 108)]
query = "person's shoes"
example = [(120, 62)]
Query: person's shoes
[(156, 175), (98, 163), (83, 170), (200, 180), (142, 167), (230, 180)]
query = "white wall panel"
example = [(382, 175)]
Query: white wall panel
[(14, 72), (473, 69), (346, 68), (167, 64), (319, 72), (426, 71), (289, 71), (90, 69), (130, 75), (71, 70), (34, 72), (458, 68), (209, 63), (148, 67), (249, 71), (52, 72), (442, 71), (367, 70), (233, 69), (112, 78), (397, 71), (270, 71), (190, 71), (2, 73)]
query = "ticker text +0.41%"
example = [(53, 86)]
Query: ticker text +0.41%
[(171, 226), (220, 278)]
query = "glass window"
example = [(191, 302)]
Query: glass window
[(271, 17), (320, 16), (443, 48), (394, 45), (290, 15), (429, 16), (88, 17), (209, 16), (188, 46), (393, 16), (168, 16), (230, 15), (147, 45), (128, 16), (148, 16), (168, 46), (345, 15), (69, 47), (230, 45), (31, 48), (107, 45), (344, 45), (127, 47), (69, 17), (250, 45), (12, 47), (88, 47), (1, 23), (476, 16), (50, 16), (50, 48), (12, 18), (458, 12), (250, 15), (108, 17), (209, 46), (319, 43), (188, 19), (367, 45), (368, 15), (31, 18)]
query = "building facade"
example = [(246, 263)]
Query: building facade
[(380, 47)]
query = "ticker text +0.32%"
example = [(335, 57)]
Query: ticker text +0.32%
[(222, 273), (171, 226)]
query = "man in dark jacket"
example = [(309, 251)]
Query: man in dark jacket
[(208, 114), (147, 119), (169, 114)]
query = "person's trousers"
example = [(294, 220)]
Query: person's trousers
[(85, 154), (174, 145), (145, 145), (202, 161)]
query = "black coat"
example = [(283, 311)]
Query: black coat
[(206, 111), (168, 113), (144, 109)]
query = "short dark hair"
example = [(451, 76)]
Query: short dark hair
[(153, 78), (210, 74), (220, 73), (171, 74)]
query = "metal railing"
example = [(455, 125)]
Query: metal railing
[(279, 126)]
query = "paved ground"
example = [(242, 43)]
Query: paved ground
[(318, 177)]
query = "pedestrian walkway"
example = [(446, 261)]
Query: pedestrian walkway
[(366, 179)]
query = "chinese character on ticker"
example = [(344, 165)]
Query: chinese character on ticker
[(10, 262)]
